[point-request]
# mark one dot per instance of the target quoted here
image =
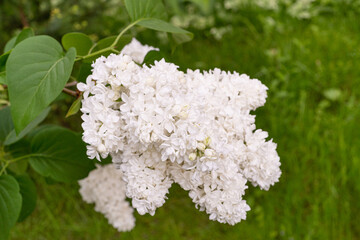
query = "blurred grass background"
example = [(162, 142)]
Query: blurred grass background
[(310, 63)]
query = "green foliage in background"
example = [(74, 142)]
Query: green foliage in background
[(35, 70), (311, 66)]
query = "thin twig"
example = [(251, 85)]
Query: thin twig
[(23, 17), (4, 167), (71, 92), (71, 84)]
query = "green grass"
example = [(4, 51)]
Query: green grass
[(318, 141)]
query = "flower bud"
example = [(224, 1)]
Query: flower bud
[(192, 156), (101, 148), (209, 153), (201, 146)]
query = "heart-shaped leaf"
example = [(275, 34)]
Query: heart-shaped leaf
[(81, 42), (10, 204), (59, 153), (36, 71)]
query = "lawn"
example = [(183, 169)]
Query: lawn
[(312, 70)]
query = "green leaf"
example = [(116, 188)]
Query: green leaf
[(19, 167), (84, 72), (160, 25), (12, 137), (2, 77), (19, 149), (75, 107), (37, 70), (60, 154), (153, 56), (3, 60), (107, 42), (181, 38), (29, 196), (81, 42), (6, 124), (145, 9), (151, 14), (206, 6), (10, 44), (104, 43), (10, 204), (24, 34)]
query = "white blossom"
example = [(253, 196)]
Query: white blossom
[(162, 125), (137, 51), (105, 188)]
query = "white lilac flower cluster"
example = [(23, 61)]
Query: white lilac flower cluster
[(161, 125), (104, 187)]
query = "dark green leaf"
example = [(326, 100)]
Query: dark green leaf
[(37, 70), (24, 34), (104, 43), (84, 72), (75, 107), (10, 44), (80, 41), (19, 148), (3, 59), (19, 167), (59, 153), (29, 196), (2, 77), (10, 204), (12, 137), (6, 124), (153, 56), (50, 181)]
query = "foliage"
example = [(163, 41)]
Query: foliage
[(34, 72), (311, 68)]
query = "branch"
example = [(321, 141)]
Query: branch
[(23, 17), (71, 92), (71, 84)]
